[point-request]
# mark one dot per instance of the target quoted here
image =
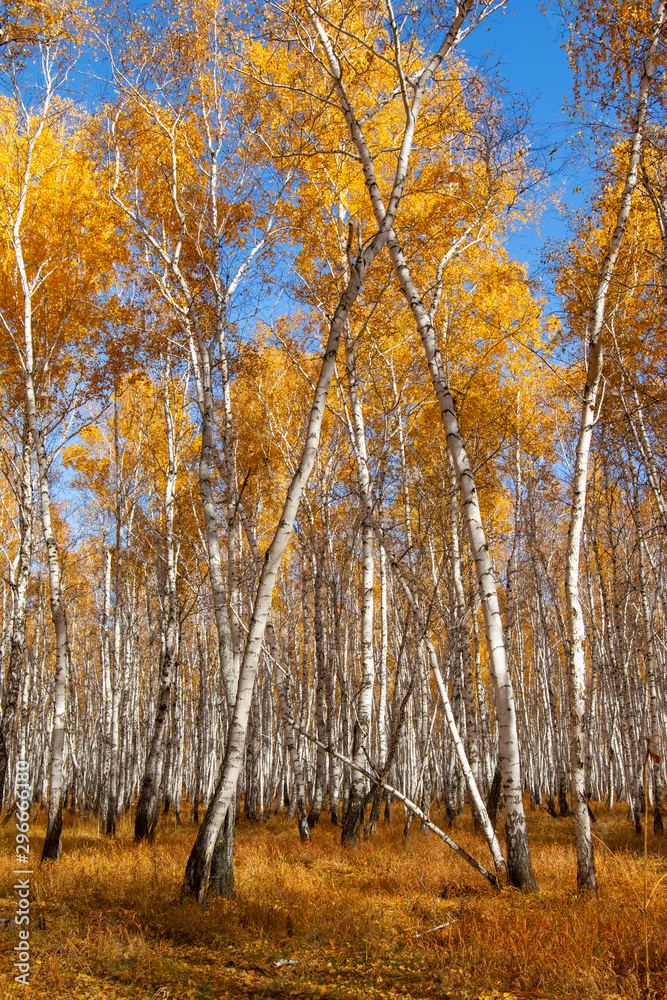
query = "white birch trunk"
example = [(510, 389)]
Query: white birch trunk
[(354, 815), (370, 827), (317, 798), (148, 806), (112, 799), (463, 641)]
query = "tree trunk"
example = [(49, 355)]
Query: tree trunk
[(18, 619), (317, 799), (148, 806), (354, 814)]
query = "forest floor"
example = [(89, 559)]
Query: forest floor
[(388, 919)]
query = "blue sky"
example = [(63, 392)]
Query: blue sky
[(525, 46)]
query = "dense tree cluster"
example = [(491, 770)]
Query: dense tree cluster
[(306, 496)]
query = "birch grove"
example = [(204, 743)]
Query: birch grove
[(336, 517)]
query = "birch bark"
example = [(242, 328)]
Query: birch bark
[(317, 799), (115, 672), (354, 815), (148, 806)]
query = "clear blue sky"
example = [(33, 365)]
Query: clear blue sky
[(524, 45)]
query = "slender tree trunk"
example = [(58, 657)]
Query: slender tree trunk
[(112, 802), (651, 680), (354, 815), (19, 596), (649, 657), (462, 638), (388, 759), (148, 806), (52, 842), (177, 755), (224, 845), (317, 799), (334, 771)]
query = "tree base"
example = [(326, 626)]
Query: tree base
[(145, 820), (314, 816), (53, 844), (221, 878), (353, 822)]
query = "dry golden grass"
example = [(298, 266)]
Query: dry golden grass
[(108, 922)]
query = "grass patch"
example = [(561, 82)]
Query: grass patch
[(108, 921)]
